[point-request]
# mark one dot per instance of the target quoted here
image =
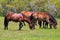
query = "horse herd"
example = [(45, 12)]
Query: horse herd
[(31, 18)]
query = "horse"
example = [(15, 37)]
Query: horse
[(30, 15), (33, 16), (48, 18), (53, 20), (11, 16)]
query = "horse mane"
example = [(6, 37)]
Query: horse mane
[(52, 18)]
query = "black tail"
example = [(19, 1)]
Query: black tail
[(5, 23)]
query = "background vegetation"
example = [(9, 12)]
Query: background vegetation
[(53, 6)]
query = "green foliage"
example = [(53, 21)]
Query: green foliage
[(29, 5)]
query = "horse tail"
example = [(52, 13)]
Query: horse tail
[(5, 22)]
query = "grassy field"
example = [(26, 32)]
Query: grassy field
[(26, 34)]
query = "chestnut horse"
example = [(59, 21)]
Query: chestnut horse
[(29, 14), (44, 17), (11, 16), (48, 18), (33, 17)]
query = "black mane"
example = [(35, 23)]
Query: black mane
[(52, 18)]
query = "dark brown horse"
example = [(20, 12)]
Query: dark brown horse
[(10, 16)]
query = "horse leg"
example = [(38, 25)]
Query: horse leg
[(50, 23), (46, 24), (6, 23), (40, 23), (6, 26), (43, 24), (24, 23), (20, 25), (50, 26), (33, 23)]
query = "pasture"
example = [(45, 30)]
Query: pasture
[(26, 34)]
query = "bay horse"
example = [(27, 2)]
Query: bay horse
[(29, 14), (48, 18), (11, 16), (33, 17)]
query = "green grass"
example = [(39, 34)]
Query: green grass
[(26, 34)]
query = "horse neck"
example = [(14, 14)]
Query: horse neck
[(26, 19), (52, 18)]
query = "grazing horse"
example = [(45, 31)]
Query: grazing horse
[(48, 18), (11, 16), (44, 17), (33, 17), (29, 14)]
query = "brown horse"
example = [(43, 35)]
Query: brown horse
[(11, 16), (29, 14), (46, 16), (32, 16)]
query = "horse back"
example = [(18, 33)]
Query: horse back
[(41, 15), (27, 13)]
